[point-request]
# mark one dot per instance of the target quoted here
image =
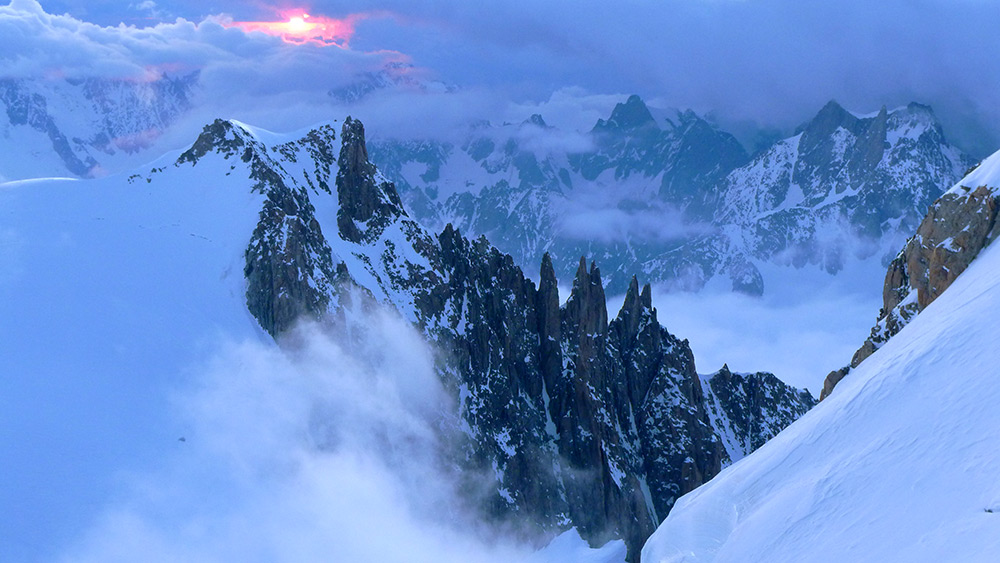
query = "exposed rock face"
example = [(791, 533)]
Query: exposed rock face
[(957, 227), (834, 377), (367, 203), (289, 265), (577, 420)]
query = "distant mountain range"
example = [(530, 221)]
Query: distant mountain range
[(679, 200), (86, 127), (661, 193)]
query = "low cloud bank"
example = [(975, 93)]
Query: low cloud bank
[(331, 449), (807, 324)]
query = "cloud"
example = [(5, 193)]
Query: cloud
[(772, 63), (36, 44), (299, 28), (550, 141), (775, 62), (254, 77), (331, 449), (569, 108), (602, 216), (807, 324)]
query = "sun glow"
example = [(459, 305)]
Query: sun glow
[(297, 26)]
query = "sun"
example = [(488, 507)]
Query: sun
[(298, 24), (299, 27)]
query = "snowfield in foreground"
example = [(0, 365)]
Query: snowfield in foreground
[(899, 464)]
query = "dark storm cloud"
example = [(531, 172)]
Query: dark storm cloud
[(775, 62), (769, 62)]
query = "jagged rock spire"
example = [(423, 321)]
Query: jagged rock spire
[(586, 306), (363, 200), (633, 114)]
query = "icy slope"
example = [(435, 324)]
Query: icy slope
[(898, 465), (957, 227)]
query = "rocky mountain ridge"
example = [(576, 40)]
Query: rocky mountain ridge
[(957, 227), (578, 419)]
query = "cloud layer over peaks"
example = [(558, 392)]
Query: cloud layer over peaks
[(769, 63)]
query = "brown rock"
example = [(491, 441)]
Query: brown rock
[(956, 229)]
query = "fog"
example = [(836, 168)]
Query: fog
[(807, 324), (331, 449)]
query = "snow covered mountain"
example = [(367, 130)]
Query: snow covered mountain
[(844, 187), (573, 420), (899, 462), (679, 200), (617, 194), (393, 76), (81, 128)]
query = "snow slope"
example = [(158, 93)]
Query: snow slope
[(899, 464), (108, 292)]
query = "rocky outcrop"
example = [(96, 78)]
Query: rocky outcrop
[(835, 376), (750, 409), (289, 268), (575, 419), (367, 202), (956, 229)]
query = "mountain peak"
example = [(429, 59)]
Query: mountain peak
[(221, 136), (363, 198), (536, 120), (917, 114), (628, 116), (916, 107), (831, 117)]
